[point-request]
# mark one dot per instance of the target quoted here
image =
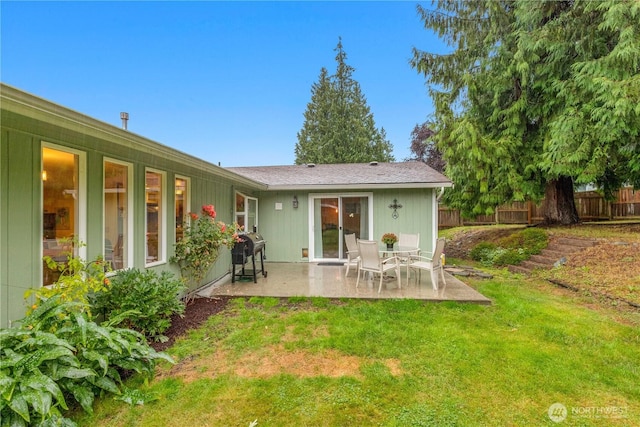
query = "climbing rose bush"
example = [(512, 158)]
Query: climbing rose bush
[(198, 250)]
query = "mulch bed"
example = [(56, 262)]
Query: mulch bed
[(195, 314)]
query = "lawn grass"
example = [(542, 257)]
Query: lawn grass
[(315, 362)]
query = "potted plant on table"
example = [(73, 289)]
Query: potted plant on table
[(389, 239)]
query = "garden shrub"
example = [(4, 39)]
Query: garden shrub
[(482, 251), (511, 250), (142, 300), (57, 354), (198, 250), (503, 256), (531, 240), (78, 279)]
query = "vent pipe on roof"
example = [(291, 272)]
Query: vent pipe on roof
[(125, 117), (374, 163), (311, 165)]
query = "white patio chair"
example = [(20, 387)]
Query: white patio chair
[(353, 256), (431, 264), (370, 261), (408, 241)]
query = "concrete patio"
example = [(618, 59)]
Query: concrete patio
[(329, 281)]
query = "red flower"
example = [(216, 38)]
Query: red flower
[(194, 216), (209, 210), (223, 227)]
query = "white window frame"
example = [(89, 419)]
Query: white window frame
[(162, 225), (187, 201), (81, 198), (245, 213), (130, 201)]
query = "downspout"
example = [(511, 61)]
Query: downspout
[(436, 216)]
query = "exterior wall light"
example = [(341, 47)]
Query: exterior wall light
[(295, 202)]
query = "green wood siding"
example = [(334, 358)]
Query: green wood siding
[(21, 216), (286, 231), (415, 216)]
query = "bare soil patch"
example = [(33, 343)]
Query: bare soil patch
[(275, 360), (195, 314)]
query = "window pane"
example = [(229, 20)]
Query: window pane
[(116, 214), (60, 177), (240, 210), (153, 190), (182, 208), (252, 214)]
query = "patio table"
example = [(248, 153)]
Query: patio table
[(402, 251)]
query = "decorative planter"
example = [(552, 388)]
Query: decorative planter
[(389, 246)]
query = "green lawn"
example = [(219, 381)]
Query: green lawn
[(399, 363)]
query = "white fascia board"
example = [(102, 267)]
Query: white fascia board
[(337, 187)]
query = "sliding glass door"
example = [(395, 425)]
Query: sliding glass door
[(333, 216)]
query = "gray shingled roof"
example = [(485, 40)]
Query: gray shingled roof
[(350, 175)]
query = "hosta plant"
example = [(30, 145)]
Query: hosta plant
[(41, 369)]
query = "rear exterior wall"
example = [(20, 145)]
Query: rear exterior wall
[(21, 205)]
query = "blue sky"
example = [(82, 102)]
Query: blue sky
[(225, 81)]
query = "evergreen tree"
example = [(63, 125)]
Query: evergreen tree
[(339, 126), (535, 97), (310, 145)]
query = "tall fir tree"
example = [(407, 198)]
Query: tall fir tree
[(534, 98), (309, 144), (338, 124)]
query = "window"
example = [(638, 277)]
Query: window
[(246, 212), (240, 209), (182, 205), (117, 214), (63, 211), (156, 218)]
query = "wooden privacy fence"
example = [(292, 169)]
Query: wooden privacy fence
[(591, 206)]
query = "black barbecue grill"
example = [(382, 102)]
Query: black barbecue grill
[(248, 247)]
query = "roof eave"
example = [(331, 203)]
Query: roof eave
[(301, 187)]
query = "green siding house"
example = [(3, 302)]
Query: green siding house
[(66, 175), (306, 210)]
